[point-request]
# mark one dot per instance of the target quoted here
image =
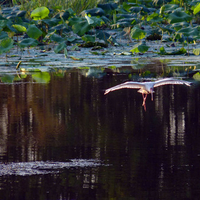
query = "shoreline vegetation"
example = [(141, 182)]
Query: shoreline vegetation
[(174, 25), (44, 25)]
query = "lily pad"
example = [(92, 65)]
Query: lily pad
[(137, 33), (81, 28), (167, 29), (154, 18), (60, 28), (3, 23), (128, 5), (179, 25), (60, 47), (5, 45), (108, 7), (196, 9), (79, 25), (125, 22), (28, 42), (3, 35), (21, 13), (135, 9), (96, 21), (189, 31), (19, 27), (139, 48), (88, 38), (51, 22), (167, 8), (57, 38), (40, 13), (177, 52), (93, 12), (102, 35), (34, 32), (178, 16)]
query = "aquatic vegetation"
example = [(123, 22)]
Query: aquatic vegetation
[(67, 31), (140, 48)]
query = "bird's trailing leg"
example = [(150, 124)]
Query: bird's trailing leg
[(144, 99)]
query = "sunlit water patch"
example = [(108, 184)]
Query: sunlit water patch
[(41, 167)]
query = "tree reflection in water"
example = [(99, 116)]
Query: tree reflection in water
[(151, 155)]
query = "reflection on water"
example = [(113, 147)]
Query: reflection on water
[(150, 155)]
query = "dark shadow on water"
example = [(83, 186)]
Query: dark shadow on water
[(145, 155)]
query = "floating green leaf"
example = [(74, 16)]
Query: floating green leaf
[(81, 28), (60, 47), (162, 51), (108, 7), (179, 25), (57, 38), (51, 22), (40, 13), (88, 38), (3, 35), (79, 25), (34, 32), (5, 45), (177, 52), (189, 31), (71, 39), (137, 33), (154, 18), (178, 16), (97, 21), (3, 23), (19, 27), (41, 77), (196, 9), (139, 48), (93, 12), (168, 8), (135, 9), (28, 42), (128, 5), (166, 29)]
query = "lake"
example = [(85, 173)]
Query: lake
[(65, 139)]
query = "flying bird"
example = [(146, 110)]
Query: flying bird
[(147, 87)]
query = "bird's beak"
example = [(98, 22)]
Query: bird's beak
[(151, 90)]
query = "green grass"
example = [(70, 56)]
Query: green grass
[(58, 5)]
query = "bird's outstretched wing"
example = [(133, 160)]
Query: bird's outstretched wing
[(171, 81), (129, 84)]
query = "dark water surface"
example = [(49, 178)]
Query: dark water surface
[(143, 155)]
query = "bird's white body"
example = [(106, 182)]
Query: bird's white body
[(147, 87)]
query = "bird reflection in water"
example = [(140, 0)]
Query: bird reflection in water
[(147, 87)]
